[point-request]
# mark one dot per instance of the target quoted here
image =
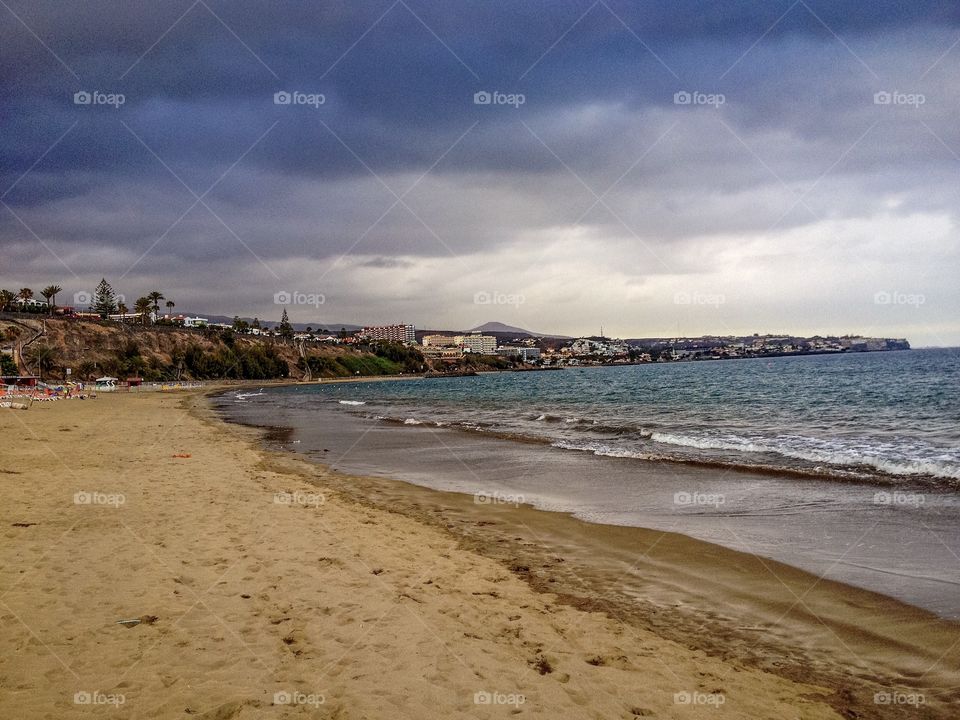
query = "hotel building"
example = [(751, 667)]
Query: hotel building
[(391, 333)]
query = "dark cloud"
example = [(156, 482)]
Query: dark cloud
[(399, 174)]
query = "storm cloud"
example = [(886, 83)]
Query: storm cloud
[(604, 161)]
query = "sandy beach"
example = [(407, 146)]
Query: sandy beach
[(257, 584)]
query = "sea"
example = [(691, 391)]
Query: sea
[(846, 465)]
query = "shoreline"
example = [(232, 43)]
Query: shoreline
[(389, 599), (844, 616)]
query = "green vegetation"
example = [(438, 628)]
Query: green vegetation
[(249, 362), (104, 299), (7, 365), (386, 359)]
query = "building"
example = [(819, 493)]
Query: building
[(450, 352), (527, 354), (439, 341), (477, 343), (195, 322), (392, 333)]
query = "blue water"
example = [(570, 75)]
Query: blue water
[(853, 460), (879, 417)]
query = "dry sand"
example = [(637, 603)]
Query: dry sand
[(367, 599)]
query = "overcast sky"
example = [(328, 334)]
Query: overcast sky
[(658, 168)]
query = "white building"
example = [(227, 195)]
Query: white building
[(392, 333), (527, 354), (477, 343), (439, 341), (195, 322)]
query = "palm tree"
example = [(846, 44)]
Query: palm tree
[(50, 291), (45, 357), (122, 309), (155, 297), (6, 299), (25, 294), (142, 308), (170, 306)]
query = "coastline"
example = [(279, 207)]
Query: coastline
[(757, 611), (390, 598)]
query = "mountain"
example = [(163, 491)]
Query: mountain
[(498, 328)]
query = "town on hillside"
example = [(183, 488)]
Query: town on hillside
[(198, 347)]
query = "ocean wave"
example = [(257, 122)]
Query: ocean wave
[(412, 421), (834, 454), (351, 402)]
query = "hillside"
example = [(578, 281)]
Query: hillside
[(93, 349), (499, 328)]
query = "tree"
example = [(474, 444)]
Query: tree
[(170, 306), (142, 308), (104, 299), (240, 326), (45, 357), (25, 294), (155, 297), (285, 328), (6, 299), (8, 366), (122, 309), (51, 291)]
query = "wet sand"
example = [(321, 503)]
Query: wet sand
[(263, 578)]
